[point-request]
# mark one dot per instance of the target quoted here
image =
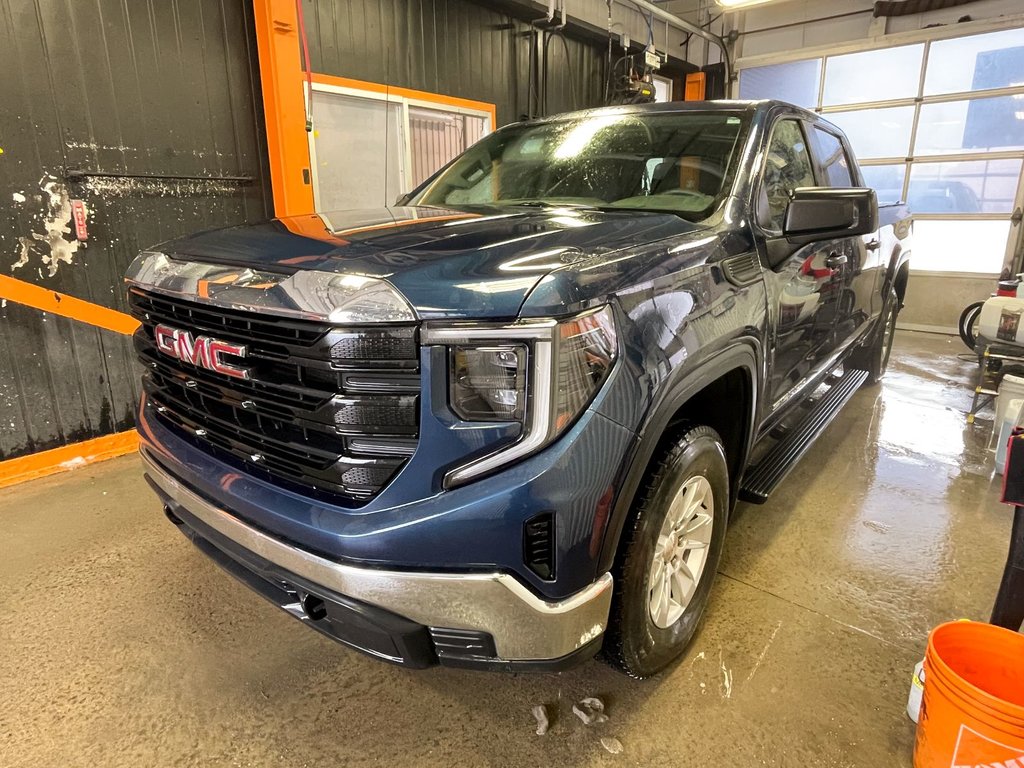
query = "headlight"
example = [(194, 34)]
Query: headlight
[(488, 383), (540, 373)]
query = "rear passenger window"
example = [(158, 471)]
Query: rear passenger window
[(787, 167), (833, 159)]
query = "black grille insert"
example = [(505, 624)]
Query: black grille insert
[(539, 544), (296, 421)]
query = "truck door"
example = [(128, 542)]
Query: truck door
[(858, 273), (802, 280)]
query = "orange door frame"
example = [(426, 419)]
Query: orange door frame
[(284, 105), (408, 93)]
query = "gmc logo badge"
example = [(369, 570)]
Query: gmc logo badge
[(201, 351)]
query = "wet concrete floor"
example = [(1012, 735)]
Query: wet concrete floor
[(121, 645)]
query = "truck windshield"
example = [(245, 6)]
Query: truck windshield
[(668, 162)]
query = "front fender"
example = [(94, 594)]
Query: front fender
[(679, 388)]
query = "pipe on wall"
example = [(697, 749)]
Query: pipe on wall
[(686, 26)]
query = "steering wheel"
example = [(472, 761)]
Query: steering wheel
[(681, 191)]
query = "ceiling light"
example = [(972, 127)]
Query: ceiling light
[(732, 5)]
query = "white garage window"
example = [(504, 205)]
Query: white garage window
[(938, 124), (367, 148)]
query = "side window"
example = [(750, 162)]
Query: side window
[(833, 159), (787, 167)]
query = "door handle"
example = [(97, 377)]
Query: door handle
[(835, 260), (872, 245)]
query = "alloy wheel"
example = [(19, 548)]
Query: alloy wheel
[(681, 551)]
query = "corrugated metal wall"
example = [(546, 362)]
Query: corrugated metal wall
[(132, 89), (99, 98), (451, 47)]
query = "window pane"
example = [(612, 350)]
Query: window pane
[(877, 132), (886, 180), (971, 125), (960, 246), (890, 73), (359, 151), (437, 136), (787, 167), (662, 89), (832, 157), (795, 82), (971, 186), (995, 60)]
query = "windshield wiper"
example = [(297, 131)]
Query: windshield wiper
[(544, 204)]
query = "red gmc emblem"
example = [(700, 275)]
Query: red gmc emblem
[(201, 351)]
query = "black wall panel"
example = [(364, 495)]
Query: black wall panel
[(135, 89), (452, 47)]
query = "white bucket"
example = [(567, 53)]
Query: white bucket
[(1010, 420), (1011, 388)]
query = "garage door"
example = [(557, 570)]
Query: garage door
[(942, 129)]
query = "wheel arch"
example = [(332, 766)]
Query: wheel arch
[(898, 273), (901, 280), (732, 373)]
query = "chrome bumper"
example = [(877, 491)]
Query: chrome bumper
[(524, 627)]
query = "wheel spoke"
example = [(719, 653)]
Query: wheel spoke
[(665, 607), (684, 567), (699, 521), (694, 499), (659, 566), (657, 593), (684, 587), (664, 542)]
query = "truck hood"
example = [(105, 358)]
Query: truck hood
[(447, 263)]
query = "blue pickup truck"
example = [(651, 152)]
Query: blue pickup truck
[(503, 423)]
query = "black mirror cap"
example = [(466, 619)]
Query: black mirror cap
[(827, 213)]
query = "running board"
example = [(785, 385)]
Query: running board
[(761, 480)]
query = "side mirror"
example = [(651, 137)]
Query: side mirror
[(825, 213)]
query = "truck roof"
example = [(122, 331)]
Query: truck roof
[(717, 105)]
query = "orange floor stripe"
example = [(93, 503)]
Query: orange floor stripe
[(67, 457), (61, 304)]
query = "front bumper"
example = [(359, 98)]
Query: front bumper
[(411, 618)]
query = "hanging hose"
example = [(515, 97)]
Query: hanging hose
[(570, 72)]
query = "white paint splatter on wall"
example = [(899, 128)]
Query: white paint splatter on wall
[(110, 187), (18, 197), (51, 246)]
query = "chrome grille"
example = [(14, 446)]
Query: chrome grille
[(326, 410)]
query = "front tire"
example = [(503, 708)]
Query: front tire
[(669, 555), (874, 358)]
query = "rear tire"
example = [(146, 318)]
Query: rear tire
[(874, 357), (968, 321), (669, 555)]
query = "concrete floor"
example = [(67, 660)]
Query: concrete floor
[(123, 646)]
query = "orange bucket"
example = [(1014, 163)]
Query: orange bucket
[(973, 710)]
